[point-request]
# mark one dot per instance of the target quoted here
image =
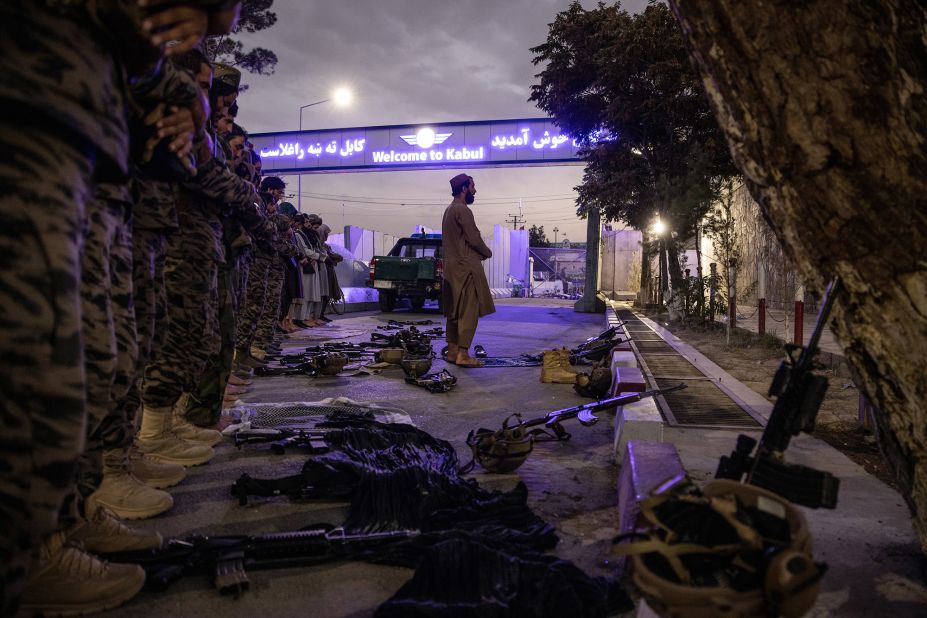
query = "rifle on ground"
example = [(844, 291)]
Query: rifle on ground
[(226, 558), (799, 393), (315, 441), (506, 449)]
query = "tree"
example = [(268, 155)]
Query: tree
[(537, 237), (255, 16), (720, 225), (624, 87), (824, 106)]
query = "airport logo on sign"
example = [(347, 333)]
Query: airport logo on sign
[(425, 138)]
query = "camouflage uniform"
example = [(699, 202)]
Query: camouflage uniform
[(61, 123), (192, 331), (283, 250), (108, 326), (258, 293), (219, 185), (108, 304), (155, 219)]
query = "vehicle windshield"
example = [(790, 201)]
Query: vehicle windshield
[(419, 251)]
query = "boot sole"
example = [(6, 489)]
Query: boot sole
[(204, 442), (84, 609), (162, 483), (190, 463)]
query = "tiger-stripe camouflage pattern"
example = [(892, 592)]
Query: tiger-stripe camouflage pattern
[(110, 348), (149, 254), (96, 292), (205, 405), (44, 183), (265, 330), (192, 328), (255, 299), (118, 428)]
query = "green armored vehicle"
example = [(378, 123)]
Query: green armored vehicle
[(413, 269)]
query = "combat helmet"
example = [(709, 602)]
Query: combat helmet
[(728, 550)]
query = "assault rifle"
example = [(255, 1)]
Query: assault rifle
[(226, 558), (506, 449), (313, 440), (799, 393)]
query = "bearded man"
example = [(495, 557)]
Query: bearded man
[(465, 292)]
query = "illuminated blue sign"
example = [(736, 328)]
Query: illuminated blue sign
[(455, 144)]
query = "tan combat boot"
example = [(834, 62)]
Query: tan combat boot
[(68, 581), (125, 495), (187, 430), (555, 370), (103, 533), (154, 473), (157, 441)]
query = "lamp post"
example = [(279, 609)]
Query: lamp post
[(342, 98), (555, 235)]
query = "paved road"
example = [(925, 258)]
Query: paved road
[(571, 484)]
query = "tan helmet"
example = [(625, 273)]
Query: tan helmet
[(752, 575), (500, 451)]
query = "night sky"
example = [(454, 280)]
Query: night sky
[(412, 61)]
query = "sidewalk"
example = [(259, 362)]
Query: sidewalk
[(781, 324), (875, 565)]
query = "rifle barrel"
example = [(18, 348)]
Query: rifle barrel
[(830, 297), (597, 406)]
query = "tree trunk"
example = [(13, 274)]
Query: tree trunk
[(643, 296), (824, 108), (700, 286), (672, 262)]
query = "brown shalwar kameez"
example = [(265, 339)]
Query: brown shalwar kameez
[(466, 295)]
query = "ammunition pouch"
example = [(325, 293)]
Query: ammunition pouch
[(595, 384)]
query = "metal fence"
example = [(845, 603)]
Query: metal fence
[(558, 272)]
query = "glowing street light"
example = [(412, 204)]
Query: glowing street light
[(659, 228), (342, 97)]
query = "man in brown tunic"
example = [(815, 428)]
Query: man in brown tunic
[(466, 295)]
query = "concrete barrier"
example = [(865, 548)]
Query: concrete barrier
[(640, 420), (644, 466)]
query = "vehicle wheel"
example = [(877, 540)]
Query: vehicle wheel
[(387, 301), (338, 305), (417, 303)]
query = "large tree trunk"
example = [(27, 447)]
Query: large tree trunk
[(823, 104)]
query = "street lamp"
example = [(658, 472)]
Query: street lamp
[(659, 228), (555, 235), (341, 97)]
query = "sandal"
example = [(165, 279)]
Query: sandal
[(479, 351)]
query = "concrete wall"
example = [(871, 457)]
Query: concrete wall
[(509, 257), (620, 261), (365, 244)]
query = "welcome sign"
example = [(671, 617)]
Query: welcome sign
[(424, 146)]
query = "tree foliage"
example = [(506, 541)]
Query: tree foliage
[(537, 237), (623, 85), (255, 16)]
